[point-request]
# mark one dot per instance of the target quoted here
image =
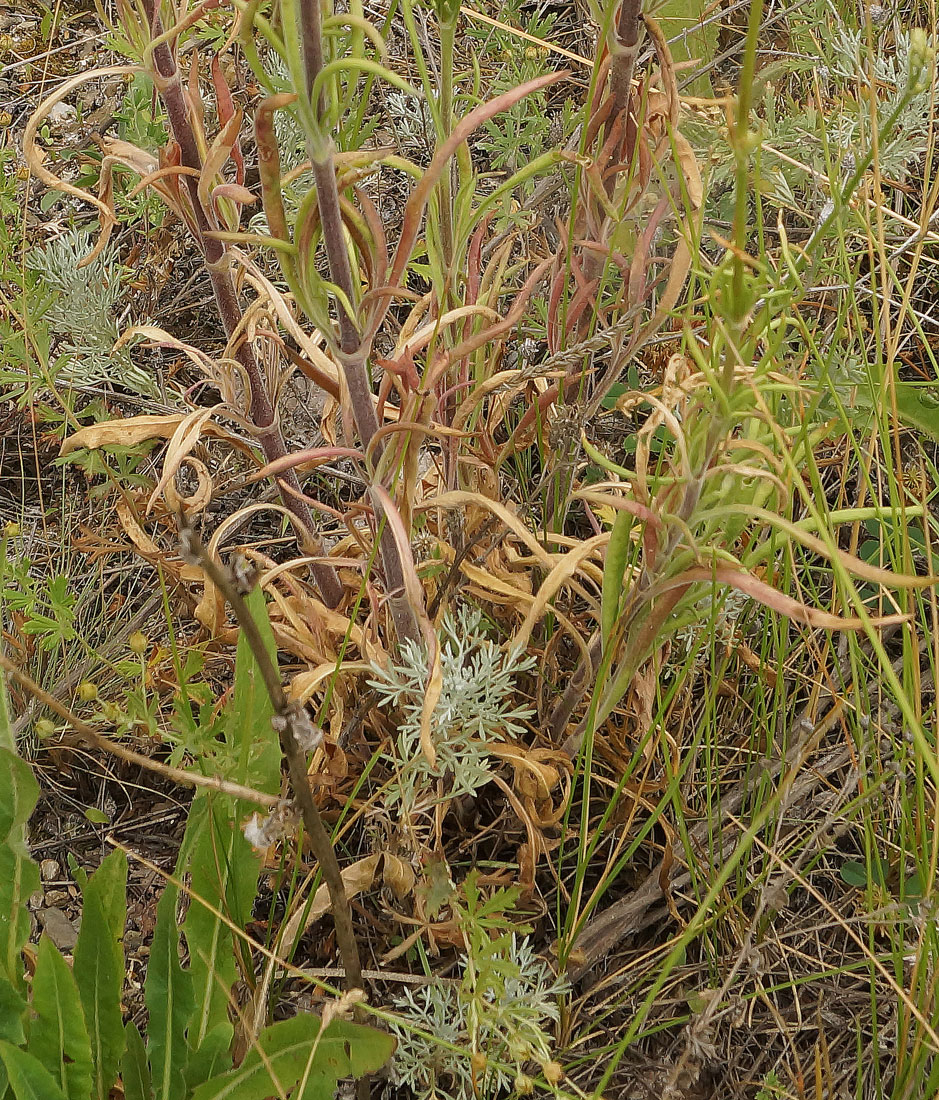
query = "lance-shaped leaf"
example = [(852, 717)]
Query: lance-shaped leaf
[(99, 967), (223, 866), (57, 1035), (28, 1077), (169, 1001), (135, 1073)]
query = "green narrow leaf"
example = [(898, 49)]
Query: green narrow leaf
[(212, 1058), (918, 406), (29, 1078), (58, 1036), (614, 569), (282, 1057), (19, 875), (169, 1000), (135, 1074), (99, 967)]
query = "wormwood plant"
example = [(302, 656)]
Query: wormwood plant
[(81, 312), (474, 709), (62, 1035), (478, 453), (500, 1010)]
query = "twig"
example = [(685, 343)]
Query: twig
[(96, 740), (294, 730)]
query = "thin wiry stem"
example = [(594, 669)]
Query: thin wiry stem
[(95, 740), (289, 722)]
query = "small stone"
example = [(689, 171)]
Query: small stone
[(58, 928), (49, 870), (60, 114)]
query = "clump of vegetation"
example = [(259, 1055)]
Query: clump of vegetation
[(580, 666)]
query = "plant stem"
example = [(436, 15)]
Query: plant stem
[(95, 740), (447, 41), (169, 84), (354, 353), (625, 51), (289, 717)]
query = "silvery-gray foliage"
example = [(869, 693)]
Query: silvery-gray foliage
[(81, 312), (476, 706), (518, 1007)]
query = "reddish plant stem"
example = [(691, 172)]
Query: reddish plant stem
[(625, 52), (261, 412), (354, 353)]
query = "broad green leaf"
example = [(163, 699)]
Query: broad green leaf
[(223, 875), (859, 874), (918, 406), (249, 730), (224, 868), (135, 1074), (692, 37), (57, 1035), (18, 794), (212, 1058), (282, 1057), (914, 889), (169, 1001), (12, 1013), (854, 873), (29, 1078), (109, 883), (19, 875), (99, 972), (7, 738), (613, 394)]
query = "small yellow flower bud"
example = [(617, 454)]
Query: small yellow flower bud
[(524, 1085), (11, 530), (44, 728), (138, 642), (87, 691), (553, 1072)]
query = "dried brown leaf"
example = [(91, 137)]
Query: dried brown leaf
[(356, 879)]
